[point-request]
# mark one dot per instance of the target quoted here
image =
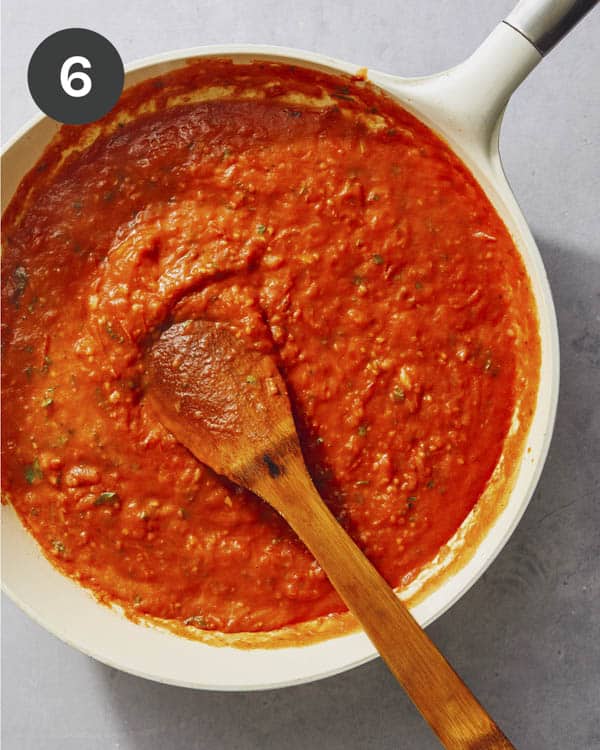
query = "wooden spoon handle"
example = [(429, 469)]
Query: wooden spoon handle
[(193, 375), (441, 696)]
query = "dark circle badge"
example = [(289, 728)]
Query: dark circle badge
[(75, 76)]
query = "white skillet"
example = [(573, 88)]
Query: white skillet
[(465, 106)]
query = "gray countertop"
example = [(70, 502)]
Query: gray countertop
[(527, 636)]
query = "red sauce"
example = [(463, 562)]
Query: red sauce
[(347, 238)]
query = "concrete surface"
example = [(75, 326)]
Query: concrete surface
[(527, 636)]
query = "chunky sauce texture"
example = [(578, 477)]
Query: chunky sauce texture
[(335, 231)]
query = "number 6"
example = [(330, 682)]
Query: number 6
[(67, 78)]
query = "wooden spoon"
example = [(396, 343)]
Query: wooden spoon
[(228, 405)]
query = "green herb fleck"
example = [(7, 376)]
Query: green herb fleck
[(342, 92), (418, 285), (398, 394), (377, 259), (33, 472), (28, 372), (112, 333), (357, 280), (251, 379), (261, 228), (430, 484), (362, 430), (58, 546), (410, 501), (362, 483), (20, 279), (46, 366), (48, 399), (106, 498)]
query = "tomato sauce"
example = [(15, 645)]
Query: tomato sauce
[(340, 234)]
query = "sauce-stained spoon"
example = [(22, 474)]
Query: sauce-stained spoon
[(228, 404)]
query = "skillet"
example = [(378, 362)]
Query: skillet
[(464, 106)]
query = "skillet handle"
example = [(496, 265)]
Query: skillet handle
[(466, 103), (545, 22)]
